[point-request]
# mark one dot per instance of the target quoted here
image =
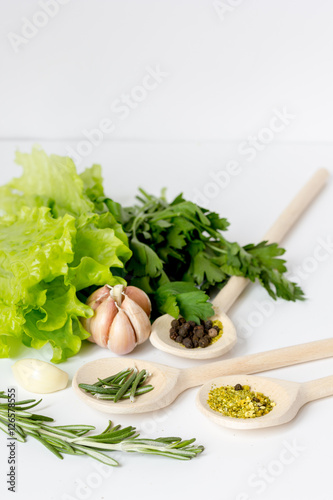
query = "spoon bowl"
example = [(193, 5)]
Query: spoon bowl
[(162, 378), (288, 397), (169, 382), (160, 339), (159, 336)]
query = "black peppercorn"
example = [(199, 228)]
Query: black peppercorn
[(208, 324), (188, 343), (183, 331), (204, 341), (199, 333), (191, 335), (238, 387)]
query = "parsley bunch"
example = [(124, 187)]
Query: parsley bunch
[(179, 253)]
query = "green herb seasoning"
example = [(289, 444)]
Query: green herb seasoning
[(219, 325), (239, 401)]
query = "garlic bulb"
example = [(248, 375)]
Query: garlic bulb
[(38, 376), (121, 319)]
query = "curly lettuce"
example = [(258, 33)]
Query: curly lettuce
[(54, 242)]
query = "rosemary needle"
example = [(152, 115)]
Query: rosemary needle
[(123, 389), (135, 384), (73, 439), (123, 385), (127, 395)]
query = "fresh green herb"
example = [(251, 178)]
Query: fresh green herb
[(123, 385), (183, 299), (179, 252), (138, 380), (54, 244), (73, 439), (61, 238)]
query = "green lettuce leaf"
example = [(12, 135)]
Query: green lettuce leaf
[(54, 242), (35, 303), (54, 180), (93, 183), (34, 247), (65, 341), (61, 302)]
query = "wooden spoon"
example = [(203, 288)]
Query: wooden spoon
[(289, 397), (170, 382), (226, 297)]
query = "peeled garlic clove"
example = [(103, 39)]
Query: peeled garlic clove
[(140, 297), (38, 376), (99, 325), (138, 319), (122, 337)]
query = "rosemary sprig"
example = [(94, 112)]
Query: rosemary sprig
[(123, 385), (73, 439)]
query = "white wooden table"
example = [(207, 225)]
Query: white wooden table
[(291, 461)]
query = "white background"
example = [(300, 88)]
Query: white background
[(225, 75), (228, 77)]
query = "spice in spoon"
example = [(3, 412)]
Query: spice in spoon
[(239, 401), (125, 384), (191, 335)]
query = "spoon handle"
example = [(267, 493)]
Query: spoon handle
[(255, 363), (227, 296), (316, 389)]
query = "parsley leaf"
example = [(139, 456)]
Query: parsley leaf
[(184, 243), (181, 298)]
